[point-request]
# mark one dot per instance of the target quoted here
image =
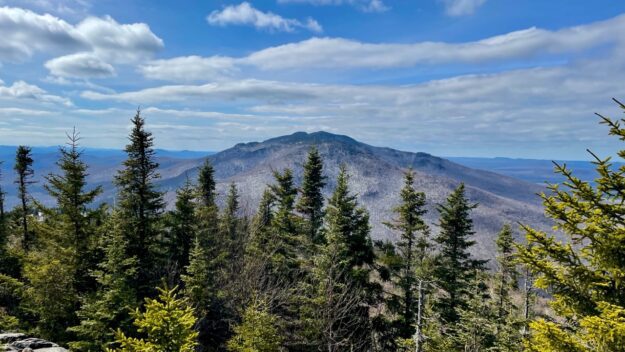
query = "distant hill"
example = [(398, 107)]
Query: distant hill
[(531, 170), (376, 176)]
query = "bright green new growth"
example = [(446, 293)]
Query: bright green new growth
[(258, 331), (585, 274), (167, 324)]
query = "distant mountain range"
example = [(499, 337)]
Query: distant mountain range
[(376, 176)]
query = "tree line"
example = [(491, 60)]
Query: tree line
[(303, 273)]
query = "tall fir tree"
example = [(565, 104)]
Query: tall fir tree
[(310, 203), (141, 206), (286, 240), (205, 274), (182, 223), (74, 215), (455, 268), (585, 274), (410, 263), (109, 308), (346, 260), (24, 169), (232, 236), (4, 230)]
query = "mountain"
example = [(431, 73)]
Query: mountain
[(376, 176), (532, 170)]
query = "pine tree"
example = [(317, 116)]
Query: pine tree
[(586, 273), (182, 230), (24, 169), (206, 184), (285, 241), (73, 216), (310, 203), (345, 261), (410, 262), (205, 274), (258, 331), (141, 206), (230, 224), (167, 323), (110, 307), (454, 267)]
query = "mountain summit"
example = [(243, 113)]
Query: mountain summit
[(375, 176)]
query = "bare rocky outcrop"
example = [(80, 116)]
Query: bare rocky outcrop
[(19, 342)]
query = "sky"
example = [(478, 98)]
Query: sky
[(482, 78)]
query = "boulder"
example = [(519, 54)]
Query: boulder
[(32, 343), (9, 337)]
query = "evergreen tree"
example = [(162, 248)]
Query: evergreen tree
[(4, 230), (230, 224), (346, 260), (285, 241), (409, 262), (206, 273), (454, 267), (182, 229), (310, 203), (167, 323), (260, 233), (141, 206), (110, 307), (586, 273), (73, 216), (206, 184), (258, 331), (476, 329), (24, 169)]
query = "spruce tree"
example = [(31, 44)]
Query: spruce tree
[(284, 245), (73, 215), (109, 309), (310, 203), (182, 230), (167, 324), (455, 268), (4, 231), (260, 232), (141, 206), (230, 224), (24, 169), (585, 272), (410, 269), (345, 261), (206, 184), (257, 332)]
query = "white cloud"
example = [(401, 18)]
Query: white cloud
[(345, 54), (363, 5), (80, 65), (462, 7), (189, 68), (21, 90), (246, 14), (62, 7), (106, 41)]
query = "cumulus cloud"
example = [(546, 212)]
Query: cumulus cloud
[(80, 65), (462, 7), (245, 14), (21, 90), (363, 5), (100, 41)]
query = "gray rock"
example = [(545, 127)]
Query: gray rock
[(32, 343), (9, 337), (51, 349)]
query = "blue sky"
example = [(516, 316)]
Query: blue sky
[(449, 77)]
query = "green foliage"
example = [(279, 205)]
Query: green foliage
[(206, 184), (258, 331), (585, 274), (109, 307), (182, 225), (167, 324), (310, 204), (11, 296), (141, 206), (455, 269), (24, 169), (408, 261)]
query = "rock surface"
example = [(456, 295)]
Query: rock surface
[(18, 342)]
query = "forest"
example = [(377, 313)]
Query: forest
[(303, 273)]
